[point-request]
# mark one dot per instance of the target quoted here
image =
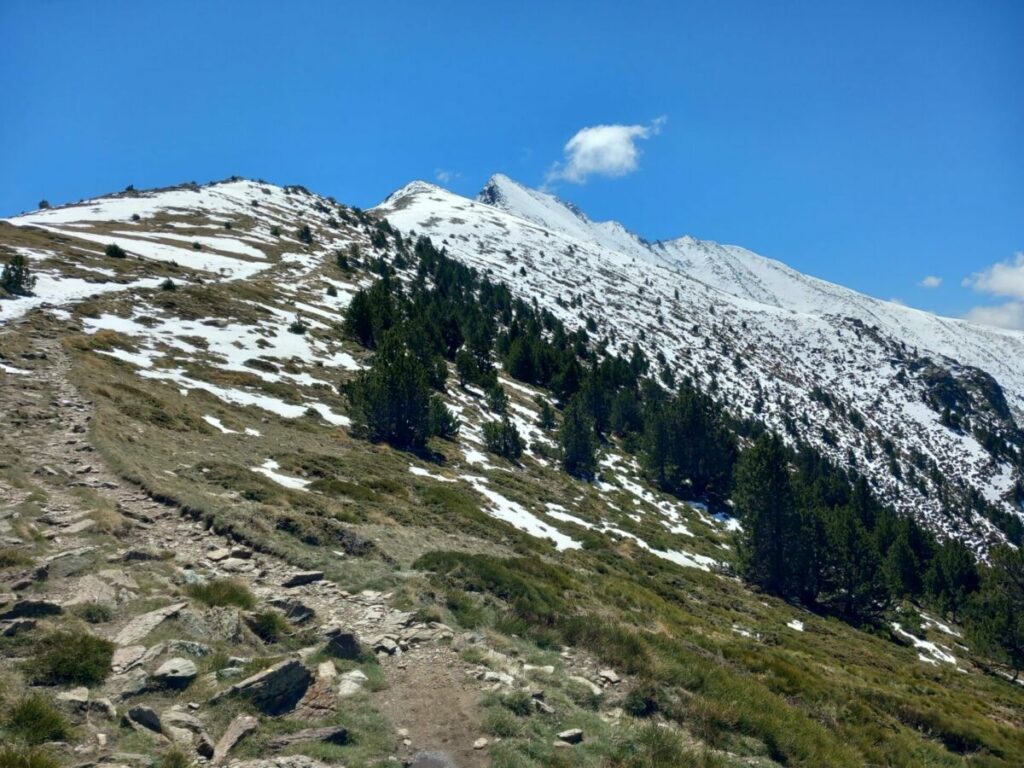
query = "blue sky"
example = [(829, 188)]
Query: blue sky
[(870, 143)]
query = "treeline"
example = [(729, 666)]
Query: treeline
[(811, 532)]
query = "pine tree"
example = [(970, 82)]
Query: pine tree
[(995, 617), (952, 577), (391, 400), (546, 415), (578, 441), (17, 277), (503, 439), (441, 421), (770, 544), (852, 579)]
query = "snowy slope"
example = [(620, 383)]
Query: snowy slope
[(768, 339)]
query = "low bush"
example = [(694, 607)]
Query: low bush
[(14, 757), (70, 656), (34, 721), (221, 592), (17, 277), (94, 613), (115, 251), (269, 626)]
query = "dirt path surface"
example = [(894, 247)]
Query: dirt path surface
[(431, 698)]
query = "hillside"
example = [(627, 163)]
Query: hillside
[(926, 407), (196, 546)]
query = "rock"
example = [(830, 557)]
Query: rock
[(293, 610), (146, 717), (490, 676), (103, 707), (129, 684), (344, 645), (351, 683), (176, 673), (609, 676), (16, 626), (326, 670), (331, 734), (76, 699), (571, 736), (127, 657), (547, 669), (239, 728), (178, 719), (384, 645), (32, 609), (319, 702), (594, 689), (216, 555), (274, 691), (142, 625), (480, 743), (143, 555), (302, 577), (219, 623), (205, 746), (191, 647)]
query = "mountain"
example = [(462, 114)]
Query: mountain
[(927, 407), (214, 545)]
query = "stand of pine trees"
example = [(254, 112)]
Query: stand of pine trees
[(811, 531)]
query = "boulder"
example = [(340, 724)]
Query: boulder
[(609, 676), (332, 735), (239, 728), (344, 645), (32, 609), (319, 702), (571, 736), (301, 578), (275, 690), (179, 719), (175, 673), (140, 626), (146, 717)]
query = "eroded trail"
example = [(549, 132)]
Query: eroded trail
[(97, 531)]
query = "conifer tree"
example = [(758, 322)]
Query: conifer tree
[(995, 617), (503, 439), (765, 503), (17, 277), (391, 400), (578, 441)]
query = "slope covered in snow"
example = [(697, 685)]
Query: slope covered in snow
[(925, 407)]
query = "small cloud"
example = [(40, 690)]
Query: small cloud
[(445, 177), (1008, 315), (931, 281), (1005, 278), (603, 150)]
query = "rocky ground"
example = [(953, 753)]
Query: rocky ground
[(197, 677)]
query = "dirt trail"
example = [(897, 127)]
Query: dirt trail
[(430, 692)]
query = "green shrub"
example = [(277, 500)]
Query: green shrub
[(641, 700), (94, 613), (518, 703), (115, 251), (503, 439), (223, 592), (70, 656), (196, 245), (12, 557), (34, 721), (174, 758), (501, 722), (297, 326), (269, 626), (275, 231), (17, 277), (136, 217), (44, 204), (13, 757), (168, 285)]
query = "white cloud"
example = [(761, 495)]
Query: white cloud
[(1008, 315), (603, 150), (444, 176), (931, 281), (1005, 278)]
